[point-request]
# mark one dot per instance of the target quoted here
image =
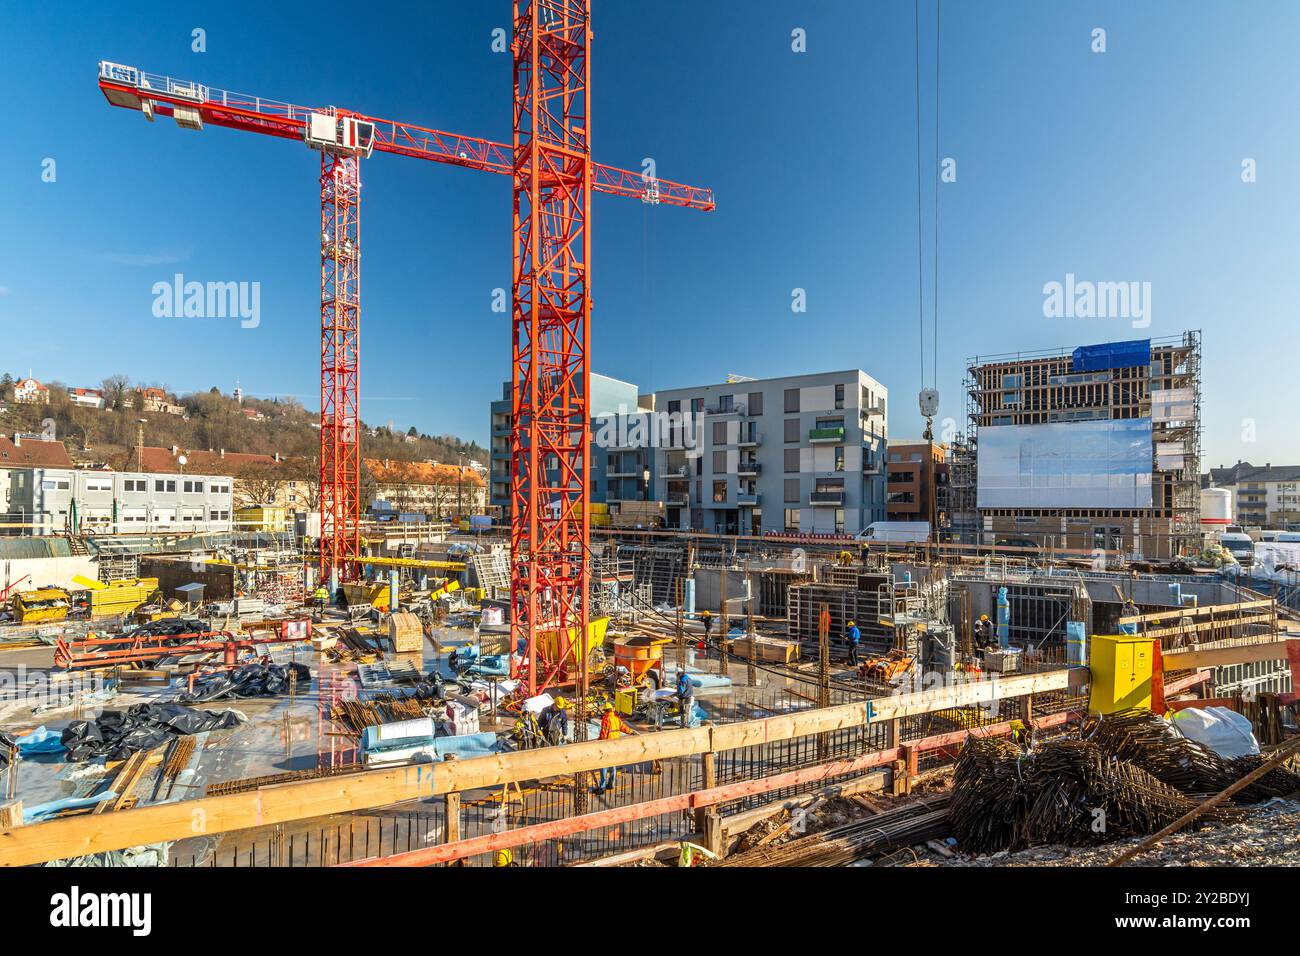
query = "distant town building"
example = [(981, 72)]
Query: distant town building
[(28, 391), (428, 487), (86, 397), (916, 474), (1266, 496)]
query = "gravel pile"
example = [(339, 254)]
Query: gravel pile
[(1269, 836)]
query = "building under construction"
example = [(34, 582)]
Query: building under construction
[(1094, 449)]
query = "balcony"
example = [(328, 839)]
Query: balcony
[(825, 435), (748, 501), (677, 500), (751, 439), (749, 468), (826, 499), (735, 409), (622, 471), (681, 471)]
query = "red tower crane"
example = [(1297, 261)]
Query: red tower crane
[(554, 176)]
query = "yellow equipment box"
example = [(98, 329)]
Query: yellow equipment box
[(1121, 666), (45, 604)]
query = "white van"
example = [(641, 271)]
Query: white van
[(889, 532)]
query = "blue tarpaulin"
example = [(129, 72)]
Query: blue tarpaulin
[(40, 741), (1097, 358), (46, 811)]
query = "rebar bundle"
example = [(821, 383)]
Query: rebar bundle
[(1067, 792), (912, 823), (1147, 741)]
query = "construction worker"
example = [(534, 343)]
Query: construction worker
[(686, 697), (321, 597), (554, 721), (527, 732), (1019, 734), (707, 620), (611, 728), (984, 631), (504, 858), (854, 637)]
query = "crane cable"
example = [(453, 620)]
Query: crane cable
[(920, 257)]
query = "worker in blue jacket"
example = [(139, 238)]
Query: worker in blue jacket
[(855, 638), (686, 697)]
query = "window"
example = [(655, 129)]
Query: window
[(755, 403), (99, 484), (791, 519), (791, 489), (134, 484), (839, 520), (839, 457), (792, 459), (168, 486), (675, 407), (719, 433), (719, 492), (839, 396), (719, 462), (697, 406), (193, 487), (792, 429), (792, 399), (726, 403)]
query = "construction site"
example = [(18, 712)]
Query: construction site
[(1060, 669)]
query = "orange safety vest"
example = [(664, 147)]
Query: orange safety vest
[(611, 726)]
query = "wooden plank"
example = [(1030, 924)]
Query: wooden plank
[(1222, 656), (1217, 611)]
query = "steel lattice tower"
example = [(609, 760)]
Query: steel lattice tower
[(550, 437)]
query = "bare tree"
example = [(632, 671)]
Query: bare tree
[(114, 388)]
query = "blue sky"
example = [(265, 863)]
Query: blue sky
[(1119, 166)]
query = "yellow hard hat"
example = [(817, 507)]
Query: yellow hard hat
[(607, 706), (503, 858), (1017, 725), (704, 614), (984, 617), (561, 703), (852, 624)]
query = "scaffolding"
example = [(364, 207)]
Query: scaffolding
[(1032, 388)]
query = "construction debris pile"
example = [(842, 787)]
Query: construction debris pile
[(118, 734)]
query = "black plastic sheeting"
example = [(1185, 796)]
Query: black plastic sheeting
[(8, 745), (117, 734), (251, 680), (169, 626)]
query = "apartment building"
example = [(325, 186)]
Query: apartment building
[(1097, 448), (609, 397), (1266, 496), (63, 500), (916, 477), (798, 454)]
